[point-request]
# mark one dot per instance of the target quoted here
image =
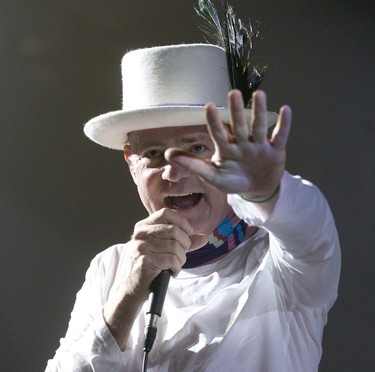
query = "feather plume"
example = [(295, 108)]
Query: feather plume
[(237, 39)]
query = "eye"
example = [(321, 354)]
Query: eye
[(198, 148), (153, 154)]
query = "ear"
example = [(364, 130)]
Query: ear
[(127, 153)]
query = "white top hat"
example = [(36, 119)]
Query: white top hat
[(166, 86)]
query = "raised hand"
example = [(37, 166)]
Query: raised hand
[(245, 161)]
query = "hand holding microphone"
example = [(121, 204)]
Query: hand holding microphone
[(159, 241), (159, 286)]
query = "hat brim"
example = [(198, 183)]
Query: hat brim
[(111, 129)]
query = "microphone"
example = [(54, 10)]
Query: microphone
[(158, 291)]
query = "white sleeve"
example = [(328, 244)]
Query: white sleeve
[(88, 344), (304, 244)]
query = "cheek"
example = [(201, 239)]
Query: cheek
[(147, 185)]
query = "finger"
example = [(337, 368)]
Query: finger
[(191, 162), (161, 235), (168, 224), (153, 255), (258, 122), (216, 128), (237, 116), (280, 134), (168, 255), (168, 217), (196, 241)]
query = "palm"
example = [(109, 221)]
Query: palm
[(241, 164)]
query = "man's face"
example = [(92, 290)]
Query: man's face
[(163, 185)]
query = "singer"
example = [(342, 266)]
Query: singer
[(253, 251)]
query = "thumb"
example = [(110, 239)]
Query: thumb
[(197, 241)]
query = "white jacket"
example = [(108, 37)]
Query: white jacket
[(261, 308)]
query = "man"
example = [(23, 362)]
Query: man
[(253, 251)]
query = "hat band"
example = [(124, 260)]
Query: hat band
[(182, 105)]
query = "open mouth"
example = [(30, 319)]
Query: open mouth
[(183, 201)]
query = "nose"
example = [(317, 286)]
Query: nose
[(174, 173)]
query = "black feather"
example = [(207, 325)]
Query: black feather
[(237, 40)]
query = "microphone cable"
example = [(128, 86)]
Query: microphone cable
[(158, 291)]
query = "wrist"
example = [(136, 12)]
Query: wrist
[(266, 199)]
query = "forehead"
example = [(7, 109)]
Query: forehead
[(167, 136)]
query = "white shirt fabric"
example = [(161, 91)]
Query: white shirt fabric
[(261, 308)]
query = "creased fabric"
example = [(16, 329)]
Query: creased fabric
[(261, 308)]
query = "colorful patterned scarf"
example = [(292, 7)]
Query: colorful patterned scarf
[(227, 236)]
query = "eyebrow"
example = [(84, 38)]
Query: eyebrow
[(185, 139), (197, 138)]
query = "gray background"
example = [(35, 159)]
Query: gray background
[(63, 199)]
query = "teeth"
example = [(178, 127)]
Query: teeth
[(176, 196)]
